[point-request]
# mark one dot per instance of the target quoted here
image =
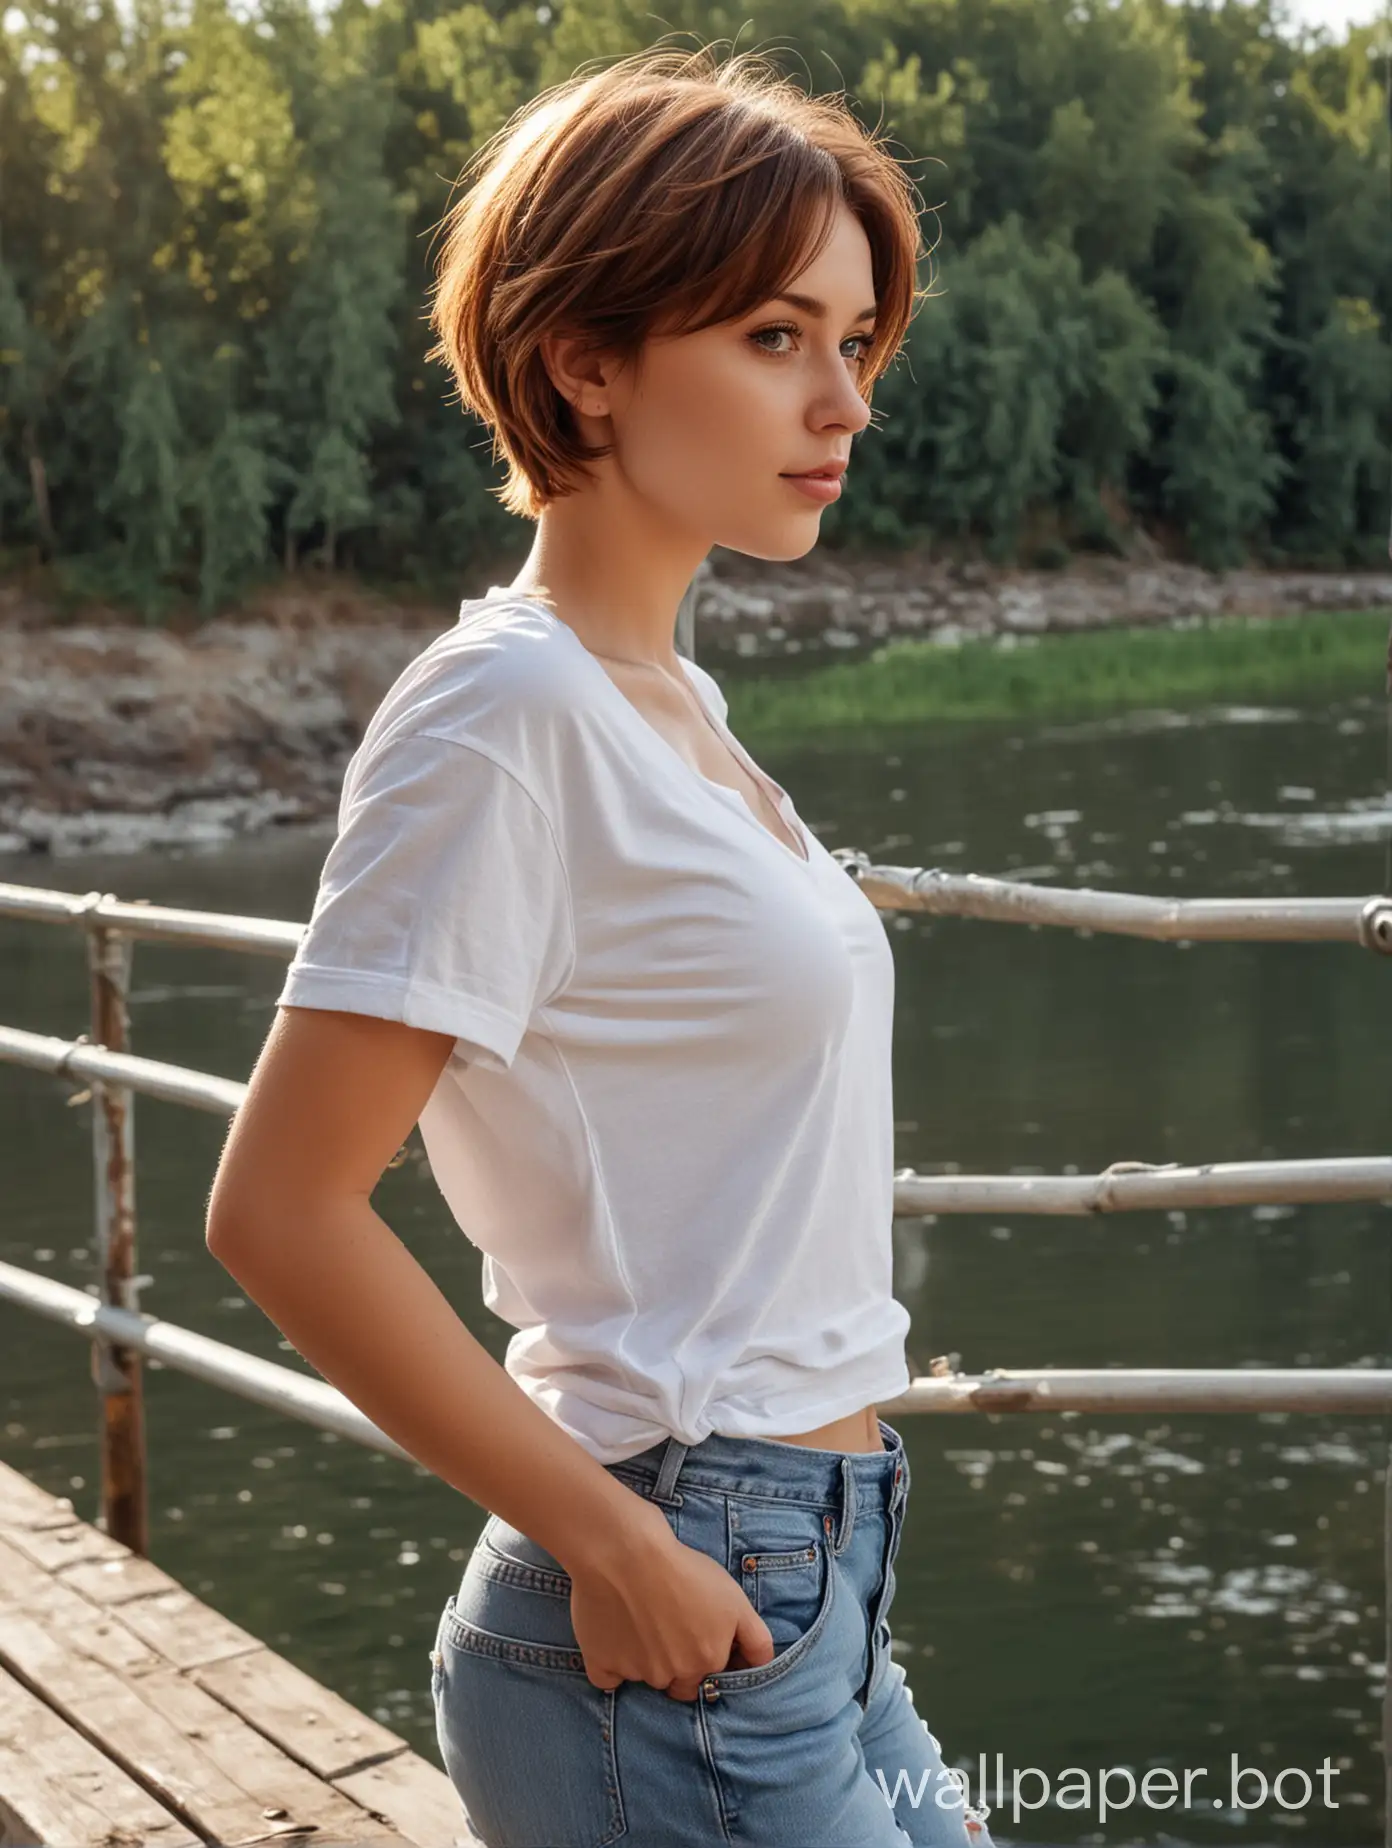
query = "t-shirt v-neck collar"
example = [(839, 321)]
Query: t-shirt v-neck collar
[(722, 791)]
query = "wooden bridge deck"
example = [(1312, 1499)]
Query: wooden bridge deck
[(132, 1714)]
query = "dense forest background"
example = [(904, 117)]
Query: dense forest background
[(1162, 249)]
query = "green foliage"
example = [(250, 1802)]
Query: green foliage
[(1160, 249), (233, 490), (910, 680), (1029, 387)]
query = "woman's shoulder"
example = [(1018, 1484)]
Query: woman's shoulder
[(497, 676), (498, 680)]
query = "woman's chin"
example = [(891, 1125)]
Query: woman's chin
[(776, 548)]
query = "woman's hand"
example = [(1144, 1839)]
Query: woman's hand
[(666, 1614)]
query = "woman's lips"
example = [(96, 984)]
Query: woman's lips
[(822, 488)]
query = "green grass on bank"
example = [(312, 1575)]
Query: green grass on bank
[(1232, 660)]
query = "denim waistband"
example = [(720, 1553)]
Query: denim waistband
[(764, 1467)]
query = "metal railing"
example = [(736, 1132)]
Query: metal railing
[(121, 1335), (113, 1076)]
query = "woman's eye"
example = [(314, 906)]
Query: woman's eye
[(862, 341), (772, 333)]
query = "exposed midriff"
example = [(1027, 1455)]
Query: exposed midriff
[(856, 1431)]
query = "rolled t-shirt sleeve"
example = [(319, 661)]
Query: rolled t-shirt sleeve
[(443, 902)]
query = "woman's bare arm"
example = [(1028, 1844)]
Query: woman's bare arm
[(332, 1098)]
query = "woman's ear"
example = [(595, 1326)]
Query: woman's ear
[(579, 371)]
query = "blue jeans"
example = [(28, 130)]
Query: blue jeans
[(819, 1747)]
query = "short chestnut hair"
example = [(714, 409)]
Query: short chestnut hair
[(663, 194)]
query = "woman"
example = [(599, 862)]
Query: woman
[(641, 1015)]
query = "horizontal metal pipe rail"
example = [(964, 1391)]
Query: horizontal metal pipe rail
[(221, 930), (311, 1400), (1366, 922), (1136, 1186), (79, 1058), (999, 1389), (1123, 1187)]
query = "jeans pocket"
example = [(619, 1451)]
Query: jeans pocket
[(537, 1568), (526, 1737), (789, 1654), (785, 1589), (780, 1553)]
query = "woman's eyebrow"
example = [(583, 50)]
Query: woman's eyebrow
[(818, 310)]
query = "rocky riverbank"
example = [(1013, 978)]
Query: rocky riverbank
[(115, 737)]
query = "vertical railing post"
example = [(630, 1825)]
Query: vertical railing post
[(1387, 1649), (116, 1370)]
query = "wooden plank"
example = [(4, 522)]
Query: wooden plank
[(57, 1547), (115, 1577), (29, 1590), (55, 1786), (181, 1628), (173, 1626), (309, 1721), (157, 1720), (24, 1504), (279, 1786), (111, 1713), (270, 1779), (417, 1797)]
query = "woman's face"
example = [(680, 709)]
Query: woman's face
[(707, 426)]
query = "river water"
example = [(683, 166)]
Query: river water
[(1104, 1593)]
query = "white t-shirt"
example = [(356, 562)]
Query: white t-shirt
[(667, 1123)]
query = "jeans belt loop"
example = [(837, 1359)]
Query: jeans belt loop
[(665, 1488), (846, 1525)]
